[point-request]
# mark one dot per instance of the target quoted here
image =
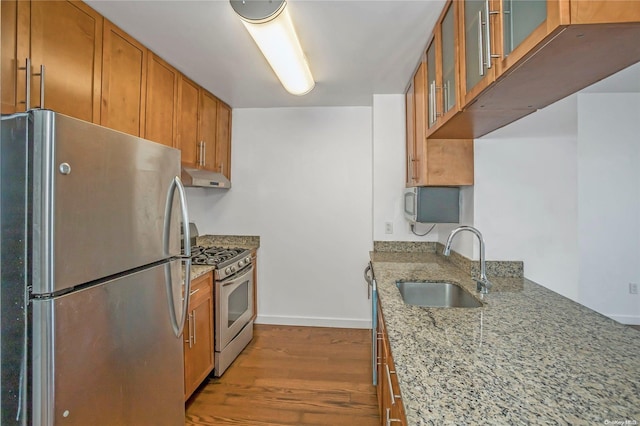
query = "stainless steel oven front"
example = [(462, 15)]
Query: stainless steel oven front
[(233, 313)]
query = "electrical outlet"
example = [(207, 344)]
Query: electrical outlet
[(388, 227), (633, 288)]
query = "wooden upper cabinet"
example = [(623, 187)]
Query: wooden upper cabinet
[(420, 100), (477, 46), (602, 11), (516, 57), (223, 140), (522, 25), (8, 60), (161, 103), (96, 72), (124, 81), (66, 38), (443, 93), (207, 130), (432, 162), (187, 139), (411, 134), (204, 129)]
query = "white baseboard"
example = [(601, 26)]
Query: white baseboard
[(626, 319), (314, 322)]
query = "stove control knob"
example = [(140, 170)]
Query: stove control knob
[(241, 263), (227, 271), (248, 259), (233, 268)]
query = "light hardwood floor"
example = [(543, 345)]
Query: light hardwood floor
[(300, 376)]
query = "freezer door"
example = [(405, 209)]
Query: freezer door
[(108, 354), (99, 202)]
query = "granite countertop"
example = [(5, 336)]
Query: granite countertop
[(528, 356), (249, 242)]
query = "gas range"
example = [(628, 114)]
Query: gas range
[(227, 261)]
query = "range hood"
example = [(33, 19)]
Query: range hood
[(204, 178)]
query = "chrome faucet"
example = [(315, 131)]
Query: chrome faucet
[(483, 284)]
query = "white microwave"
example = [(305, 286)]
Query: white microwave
[(431, 204)]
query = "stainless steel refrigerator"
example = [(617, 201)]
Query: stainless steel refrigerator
[(92, 290)]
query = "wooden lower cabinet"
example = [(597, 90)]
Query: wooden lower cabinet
[(198, 334), (388, 389)]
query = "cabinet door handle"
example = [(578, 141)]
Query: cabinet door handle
[(480, 44), (27, 71), (200, 159), (41, 75), (194, 292), (390, 420), (432, 96), (432, 93), (393, 398), (487, 32), (489, 12), (445, 97), (189, 328), (204, 153), (433, 103), (194, 327)]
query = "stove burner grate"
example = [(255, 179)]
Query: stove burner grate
[(212, 255)]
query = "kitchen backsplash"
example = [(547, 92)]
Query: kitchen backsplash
[(496, 268)]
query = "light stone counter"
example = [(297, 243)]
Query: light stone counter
[(249, 242), (528, 356)]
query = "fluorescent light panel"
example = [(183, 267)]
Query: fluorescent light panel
[(278, 41)]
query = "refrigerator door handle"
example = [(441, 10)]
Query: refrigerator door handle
[(176, 184)]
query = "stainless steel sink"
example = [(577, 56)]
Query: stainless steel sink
[(436, 295)]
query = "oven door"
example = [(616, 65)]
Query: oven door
[(234, 306)]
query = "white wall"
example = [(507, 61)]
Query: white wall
[(560, 190), (609, 203), (302, 182), (525, 200), (389, 176), (389, 171)]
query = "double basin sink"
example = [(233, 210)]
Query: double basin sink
[(436, 295)]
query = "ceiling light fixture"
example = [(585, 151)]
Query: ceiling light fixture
[(270, 26)]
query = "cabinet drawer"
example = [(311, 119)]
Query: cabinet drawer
[(201, 288)]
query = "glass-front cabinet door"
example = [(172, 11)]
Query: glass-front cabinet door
[(442, 70), (526, 23), (432, 87), (411, 135), (520, 19), (449, 71), (477, 44), (497, 34)]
